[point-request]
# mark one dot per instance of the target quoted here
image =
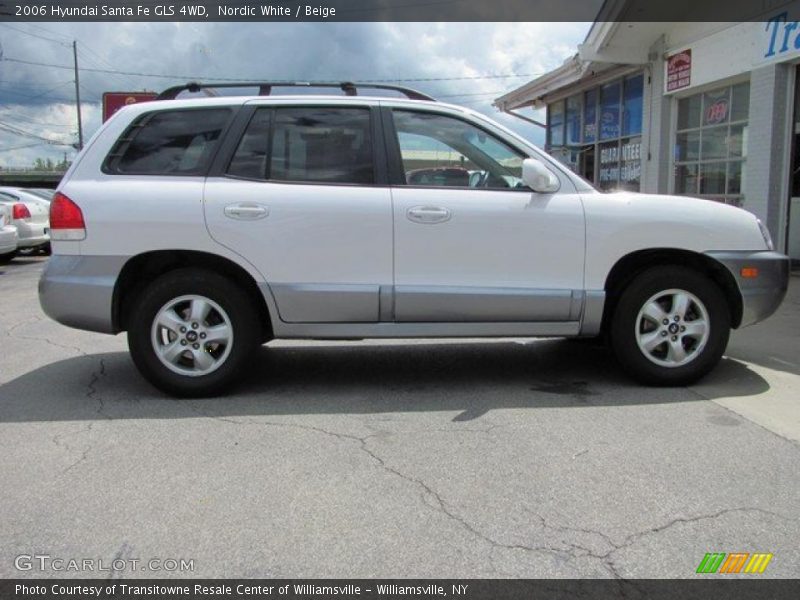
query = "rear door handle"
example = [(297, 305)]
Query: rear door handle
[(246, 211), (428, 214)]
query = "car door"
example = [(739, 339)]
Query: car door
[(300, 199), (472, 243)]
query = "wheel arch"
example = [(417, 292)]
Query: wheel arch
[(143, 268), (627, 268)]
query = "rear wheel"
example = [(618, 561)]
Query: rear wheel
[(193, 332), (7, 257), (670, 327)]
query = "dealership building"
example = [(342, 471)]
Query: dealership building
[(710, 110)]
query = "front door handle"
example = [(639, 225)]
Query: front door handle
[(246, 211), (428, 214)]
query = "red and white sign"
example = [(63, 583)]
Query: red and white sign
[(679, 70), (113, 101), (717, 112)]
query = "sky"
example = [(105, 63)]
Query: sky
[(464, 63)]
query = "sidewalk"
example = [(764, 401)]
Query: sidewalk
[(772, 349)]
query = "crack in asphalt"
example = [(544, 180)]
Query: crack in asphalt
[(564, 550), (11, 332), (607, 557), (91, 393), (440, 505)]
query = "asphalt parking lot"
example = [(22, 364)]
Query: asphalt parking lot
[(513, 458)]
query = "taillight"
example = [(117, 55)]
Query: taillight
[(20, 211), (66, 219)]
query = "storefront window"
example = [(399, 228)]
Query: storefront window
[(611, 115), (555, 124), (590, 117), (632, 106), (573, 120), (609, 111), (711, 142)]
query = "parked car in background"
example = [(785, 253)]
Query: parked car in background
[(8, 235), (30, 214), (439, 176), (205, 227), (45, 194)]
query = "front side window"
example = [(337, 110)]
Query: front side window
[(322, 145), (175, 142), (438, 150), (308, 144)]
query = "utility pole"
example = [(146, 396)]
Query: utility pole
[(77, 94)]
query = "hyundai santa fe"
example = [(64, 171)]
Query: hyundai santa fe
[(206, 226)]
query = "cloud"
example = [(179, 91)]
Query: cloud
[(40, 99)]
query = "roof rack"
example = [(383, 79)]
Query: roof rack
[(265, 88)]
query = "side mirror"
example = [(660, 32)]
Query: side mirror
[(538, 177)]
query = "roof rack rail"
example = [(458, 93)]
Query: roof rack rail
[(265, 88)]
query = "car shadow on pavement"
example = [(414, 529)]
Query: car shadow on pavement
[(351, 378), (21, 261)]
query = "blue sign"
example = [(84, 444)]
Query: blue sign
[(783, 35)]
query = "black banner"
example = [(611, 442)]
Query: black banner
[(703, 588), (388, 10)]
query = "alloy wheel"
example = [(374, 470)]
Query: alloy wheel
[(192, 335)]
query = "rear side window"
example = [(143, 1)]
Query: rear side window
[(175, 142), (311, 144)]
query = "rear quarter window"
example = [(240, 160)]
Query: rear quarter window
[(170, 142)]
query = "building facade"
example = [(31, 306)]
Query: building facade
[(709, 110)]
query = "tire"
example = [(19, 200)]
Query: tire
[(215, 353), (7, 258), (688, 345)]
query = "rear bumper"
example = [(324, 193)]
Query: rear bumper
[(32, 234), (33, 242), (761, 295), (78, 291), (8, 239)]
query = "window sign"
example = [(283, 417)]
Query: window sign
[(679, 70), (715, 107), (630, 173), (609, 165)]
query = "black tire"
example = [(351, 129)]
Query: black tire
[(226, 294), (7, 258), (625, 327)]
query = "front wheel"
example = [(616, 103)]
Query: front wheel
[(192, 333), (670, 327)]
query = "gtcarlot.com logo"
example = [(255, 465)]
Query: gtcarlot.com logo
[(735, 562), (46, 562)]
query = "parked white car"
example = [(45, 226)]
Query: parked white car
[(204, 227), (30, 215), (8, 235), (45, 194)]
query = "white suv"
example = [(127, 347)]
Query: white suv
[(205, 227)]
